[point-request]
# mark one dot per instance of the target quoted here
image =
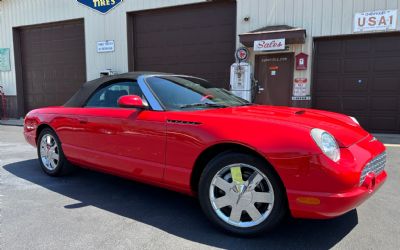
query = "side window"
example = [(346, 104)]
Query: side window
[(108, 96)]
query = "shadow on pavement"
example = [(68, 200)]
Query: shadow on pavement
[(178, 214)]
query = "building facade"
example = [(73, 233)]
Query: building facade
[(338, 55)]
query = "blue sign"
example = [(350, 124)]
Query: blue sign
[(102, 6)]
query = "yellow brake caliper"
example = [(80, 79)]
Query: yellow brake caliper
[(237, 178)]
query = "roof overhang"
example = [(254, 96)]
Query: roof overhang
[(292, 35)]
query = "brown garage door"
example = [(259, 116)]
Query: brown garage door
[(195, 39), (360, 76), (53, 63)]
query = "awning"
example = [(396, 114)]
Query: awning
[(292, 35)]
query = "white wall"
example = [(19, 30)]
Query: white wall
[(318, 17), (112, 26)]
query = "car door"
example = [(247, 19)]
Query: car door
[(124, 141)]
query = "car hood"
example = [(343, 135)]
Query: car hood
[(342, 127)]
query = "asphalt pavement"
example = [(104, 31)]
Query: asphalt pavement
[(90, 210)]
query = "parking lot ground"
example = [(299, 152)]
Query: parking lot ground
[(90, 210)]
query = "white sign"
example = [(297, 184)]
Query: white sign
[(375, 21), (300, 87), (105, 46), (266, 45), (301, 98)]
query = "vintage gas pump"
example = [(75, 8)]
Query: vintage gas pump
[(240, 80)]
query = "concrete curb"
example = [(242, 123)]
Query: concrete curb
[(12, 122)]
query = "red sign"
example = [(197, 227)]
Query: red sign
[(300, 80), (242, 54), (301, 61)]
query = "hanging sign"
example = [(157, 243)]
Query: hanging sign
[(375, 21), (5, 59), (105, 46), (300, 90), (102, 6), (268, 45)]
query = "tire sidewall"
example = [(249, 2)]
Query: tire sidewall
[(225, 159)]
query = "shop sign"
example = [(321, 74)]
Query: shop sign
[(242, 54), (375, 21), (5, 59), (300, 89), (268, 45), (105, 46), (102, 6)]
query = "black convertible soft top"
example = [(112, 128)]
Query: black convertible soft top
[(80, 97)]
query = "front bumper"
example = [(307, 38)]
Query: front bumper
[(329, 205), (319, 188)]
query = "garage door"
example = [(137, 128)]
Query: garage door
[(195, 39), (360, 76), (53, 63)]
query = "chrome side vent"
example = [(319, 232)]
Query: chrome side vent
[(183, 122)]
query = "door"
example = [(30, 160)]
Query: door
[(121, 140), (53, 63), (360, 76), (196, 39), (274, 73)]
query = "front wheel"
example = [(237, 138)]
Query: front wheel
[(241, 195)]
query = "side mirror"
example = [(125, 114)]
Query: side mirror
[(131, 101)]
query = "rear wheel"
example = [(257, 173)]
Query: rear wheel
[(241, 195), (50, 154)]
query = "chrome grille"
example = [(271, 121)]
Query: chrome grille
[(376, 165)]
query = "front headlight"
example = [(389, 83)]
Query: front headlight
[(327, 143)]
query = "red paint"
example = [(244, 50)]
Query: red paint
[(130, 101), (301, 61), (150, 147)]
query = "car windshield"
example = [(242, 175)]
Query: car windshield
[(189, 93)]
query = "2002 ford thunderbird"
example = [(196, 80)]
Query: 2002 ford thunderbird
[(248, 164)]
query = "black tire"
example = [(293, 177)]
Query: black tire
[(279, 209), (62, 167)]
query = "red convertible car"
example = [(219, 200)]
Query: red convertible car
[(248, 164)]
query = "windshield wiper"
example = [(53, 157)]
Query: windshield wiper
[(193, 105)]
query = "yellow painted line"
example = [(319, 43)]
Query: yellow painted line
[(392, 145)]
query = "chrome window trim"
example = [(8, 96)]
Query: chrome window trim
[(148, 93)]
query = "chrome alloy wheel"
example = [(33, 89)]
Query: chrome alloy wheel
[(49, 153), (241, 195)]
